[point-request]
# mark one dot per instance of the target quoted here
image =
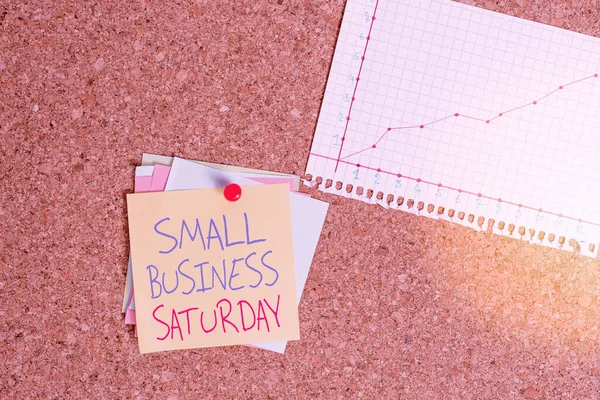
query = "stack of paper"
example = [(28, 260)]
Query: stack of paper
[(212, 272)]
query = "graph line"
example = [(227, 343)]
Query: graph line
[(362, 61), (455, 115), (439, 185)]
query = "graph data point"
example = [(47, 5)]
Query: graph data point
[(499, 200), (439, 185), (459, 190), (354, 98), (479, 195), (373, 18), (389, 129), (560, 215), (368, 37), (363, 58), (520, 205), (399, 175), (357, 79), (456, 115), (500, 114), (348, 118), (357, 165), (534, 102), (343, 139), (580, 220), (378, 169), (374, 146), (487, 122), (560, 87), (419, 180), (232, 192), (595, 75), (540, 210), (422, 126)]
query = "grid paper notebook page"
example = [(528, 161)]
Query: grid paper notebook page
[(455, 112)]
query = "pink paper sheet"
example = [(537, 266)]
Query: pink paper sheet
[(160, 177), (143, 184), (273, 181)]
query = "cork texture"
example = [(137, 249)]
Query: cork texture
[(395, 306)]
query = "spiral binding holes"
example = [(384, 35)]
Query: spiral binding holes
[(480, 222), (390, 200)]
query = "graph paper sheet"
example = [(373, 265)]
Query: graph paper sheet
[(454, 112)]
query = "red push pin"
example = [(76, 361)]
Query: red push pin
[(232, 192)]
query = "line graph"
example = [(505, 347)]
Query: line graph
[(456, 115), (459, 108), (362, 61)]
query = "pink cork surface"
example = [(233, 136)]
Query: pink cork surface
[(395, 306)]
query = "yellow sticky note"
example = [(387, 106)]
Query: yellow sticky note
[(210, 272)]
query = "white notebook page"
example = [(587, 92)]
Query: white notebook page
[(452, 109)]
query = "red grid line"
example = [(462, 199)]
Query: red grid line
[(439, 185)]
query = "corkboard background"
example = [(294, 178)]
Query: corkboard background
[(395, 306)]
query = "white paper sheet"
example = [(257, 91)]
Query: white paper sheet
[(128, 285), (466, 109), (308, 216), (145, 170)]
